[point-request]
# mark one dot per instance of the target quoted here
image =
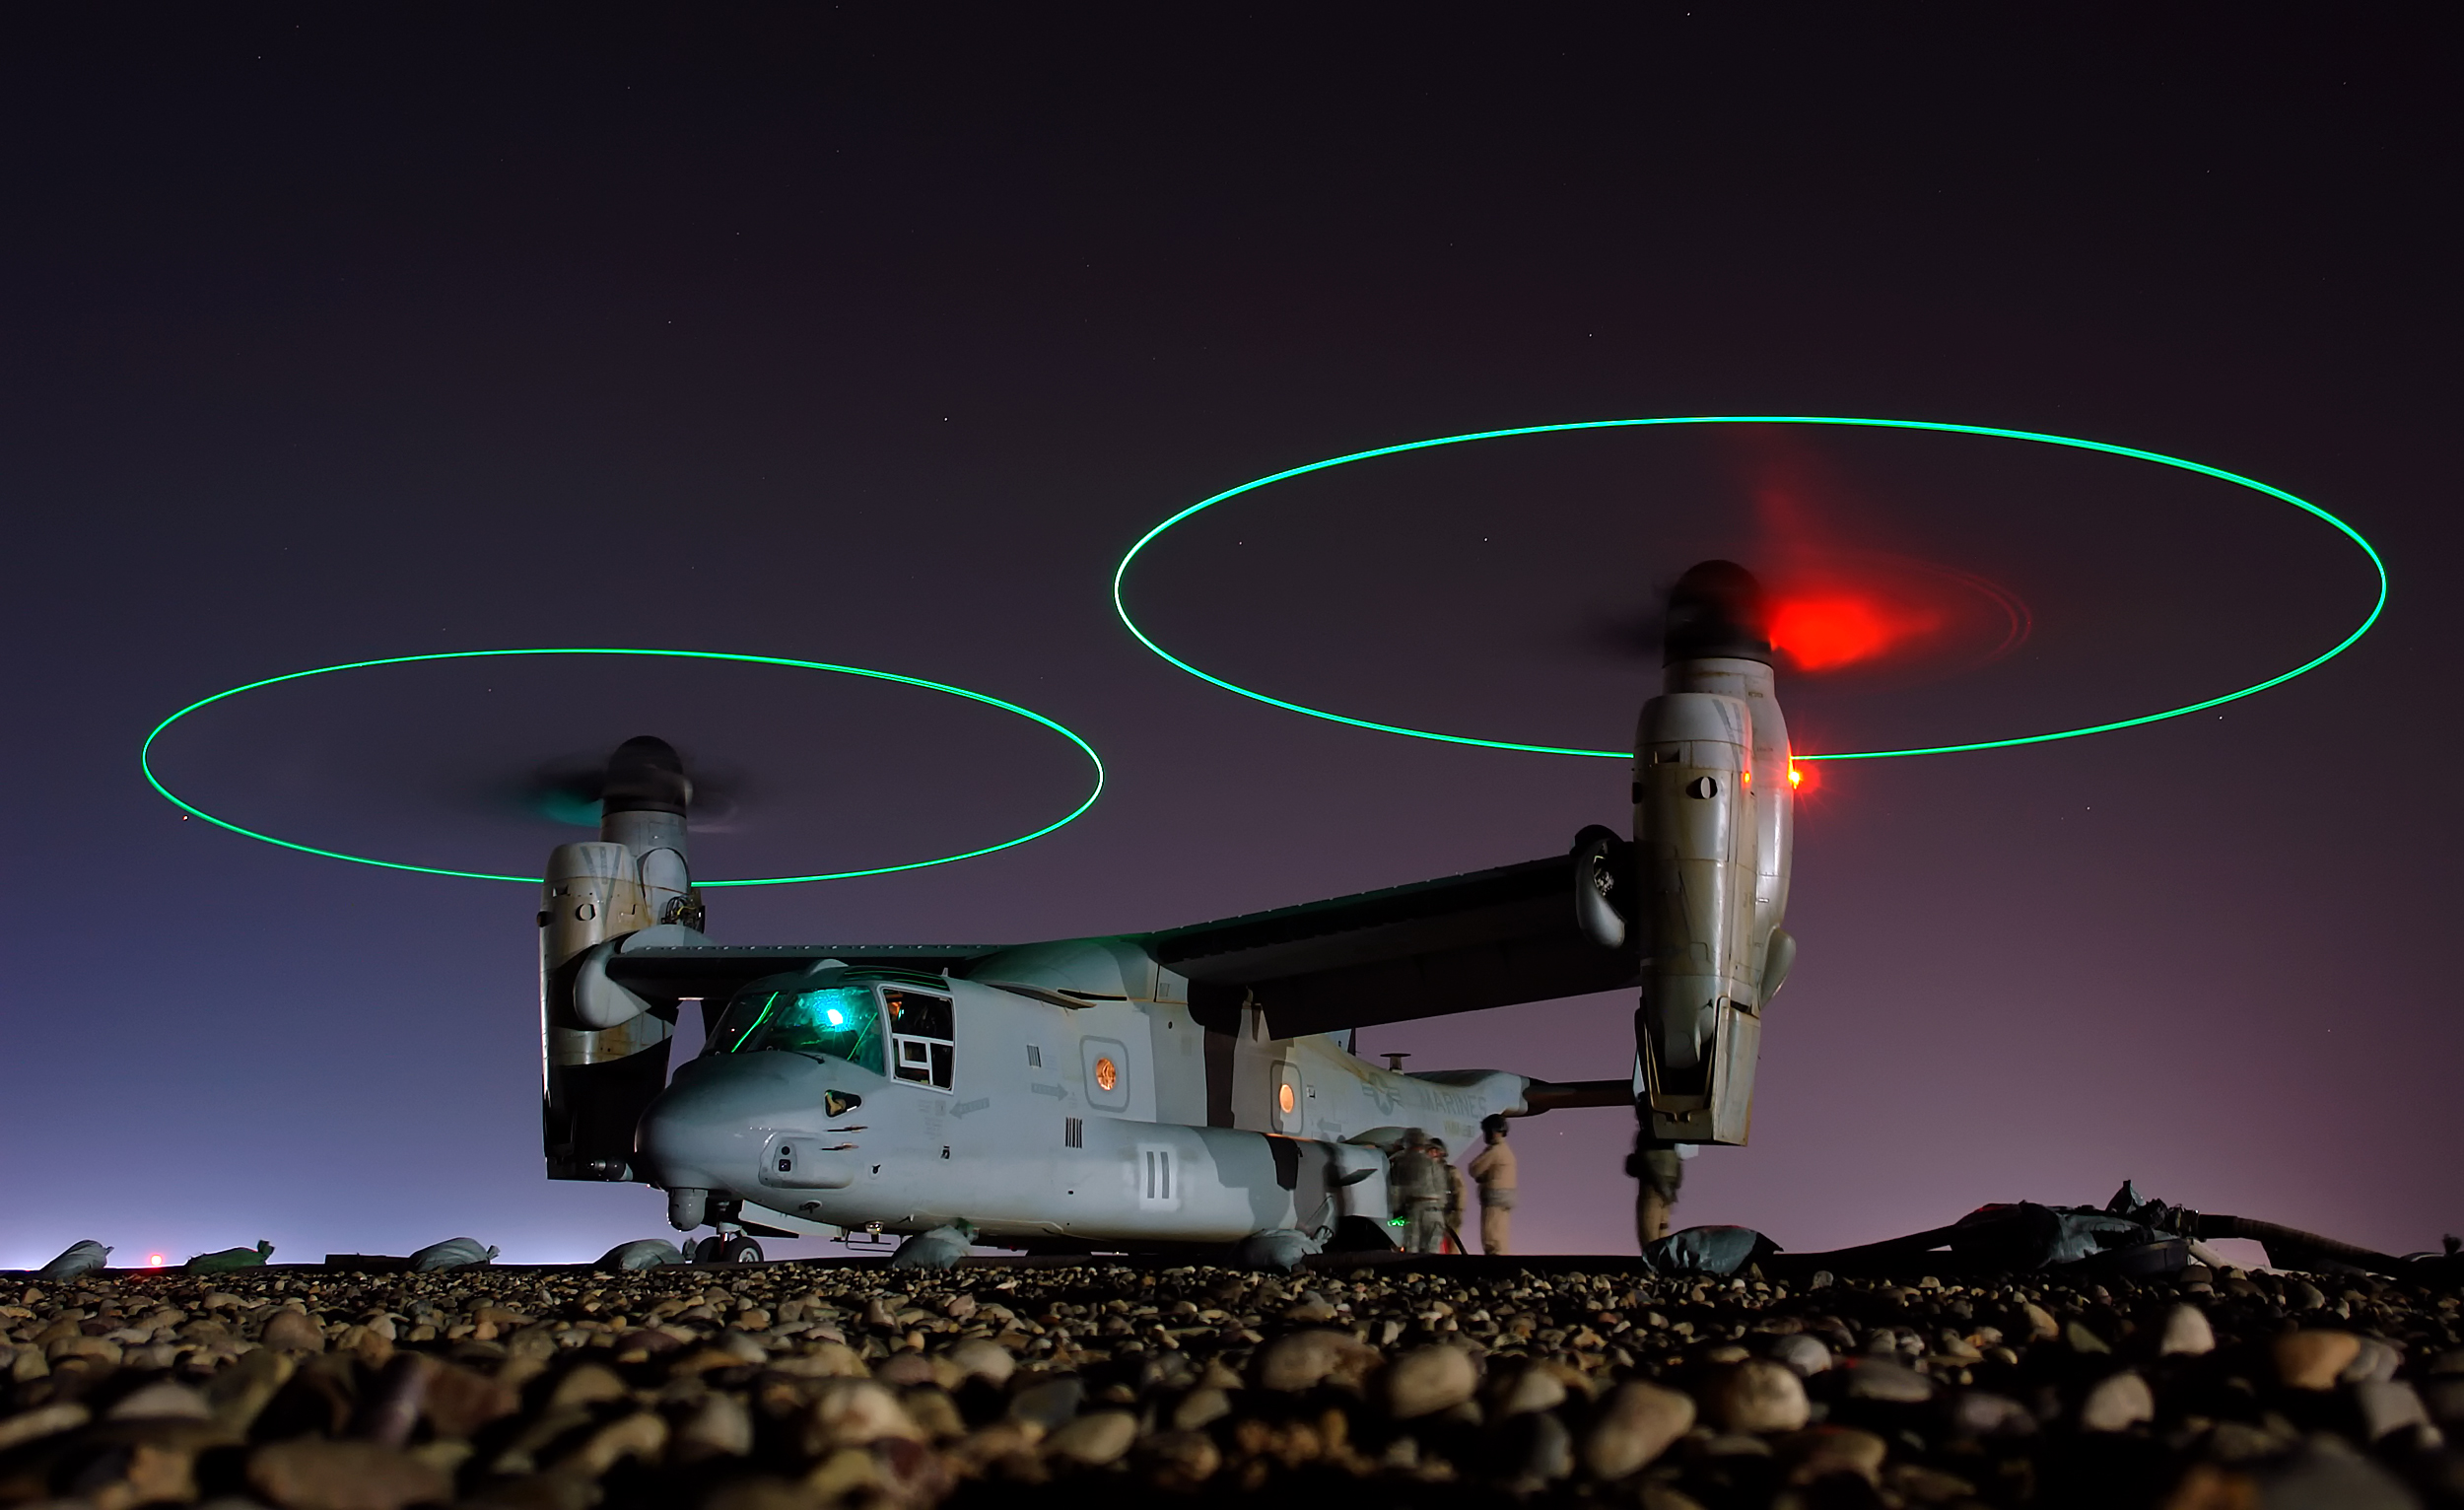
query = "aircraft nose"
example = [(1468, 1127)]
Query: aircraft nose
[(706, 1129)]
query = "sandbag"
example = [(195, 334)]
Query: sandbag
[(231, 1258), (1280, 1249), (1707, 1251), (646, 1253), (84, 1257), (452, 1253), (937, 1248)]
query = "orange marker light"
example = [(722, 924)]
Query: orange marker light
[(1796, 777)]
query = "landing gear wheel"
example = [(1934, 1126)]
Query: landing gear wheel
[(727, 1248)]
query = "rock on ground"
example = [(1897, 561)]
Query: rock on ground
[(812, 1387)]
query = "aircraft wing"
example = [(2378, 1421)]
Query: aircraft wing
[(714, 971), (1489, 939)]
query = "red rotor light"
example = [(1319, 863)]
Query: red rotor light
[(1823, 632)]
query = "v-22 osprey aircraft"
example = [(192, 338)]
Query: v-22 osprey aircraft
[(1192, 1089)]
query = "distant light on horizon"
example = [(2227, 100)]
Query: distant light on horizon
[(157, 1259)]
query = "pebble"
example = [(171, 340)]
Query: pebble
[(584, 1384), (1046, 1405), (1179, 1461), (1882, 1380), (2313, 1360), (719, 1427), (1983, 1413), (2186, 1332), (1199, 1408), (2326, 1474), (306, 1473), (1638, 1423), (1094, 1439), (1548, 1450), (985, 1359), (807, 1386), (1529, 1390), (2117, 1402), (2375, 1360), (291, 1332), (1427, 1380), (854, 1413), (163, 1399), (2443, 1395), (1826, 1451), (642, 1434), (1302, 1361), (2388, 1406), (1757, 1397), (42, 1421)]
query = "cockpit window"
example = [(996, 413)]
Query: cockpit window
[(842, 1022), (921, 1036)]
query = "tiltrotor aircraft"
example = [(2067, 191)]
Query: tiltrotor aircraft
[(1192, 1088)]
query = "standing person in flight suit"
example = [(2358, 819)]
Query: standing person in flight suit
[(1492, 1168), (1419, 1193)]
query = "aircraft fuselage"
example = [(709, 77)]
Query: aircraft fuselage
[(1104, 1122)]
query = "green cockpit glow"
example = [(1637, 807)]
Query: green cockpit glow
[(840, 1022), (1121, 574)]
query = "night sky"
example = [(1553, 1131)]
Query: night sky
[(876, 335)]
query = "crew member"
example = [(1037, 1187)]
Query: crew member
[(1494, 1169), (1420, 1190), (1659, 1169), (1455, 1201)]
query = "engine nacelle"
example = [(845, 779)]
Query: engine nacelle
[(1714, 816), (605, 1048)]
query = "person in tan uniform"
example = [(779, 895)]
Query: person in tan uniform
[(1492, 1169)]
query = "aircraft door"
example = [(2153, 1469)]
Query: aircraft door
[(1289, 1113)]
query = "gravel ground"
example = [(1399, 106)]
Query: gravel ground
[(797, 1386)]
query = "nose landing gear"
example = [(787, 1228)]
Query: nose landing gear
[(727, 1248)]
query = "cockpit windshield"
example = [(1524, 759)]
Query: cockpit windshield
[(843, 1022)]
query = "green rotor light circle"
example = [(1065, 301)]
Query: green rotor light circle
[(145, 756), (1121, 574)]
